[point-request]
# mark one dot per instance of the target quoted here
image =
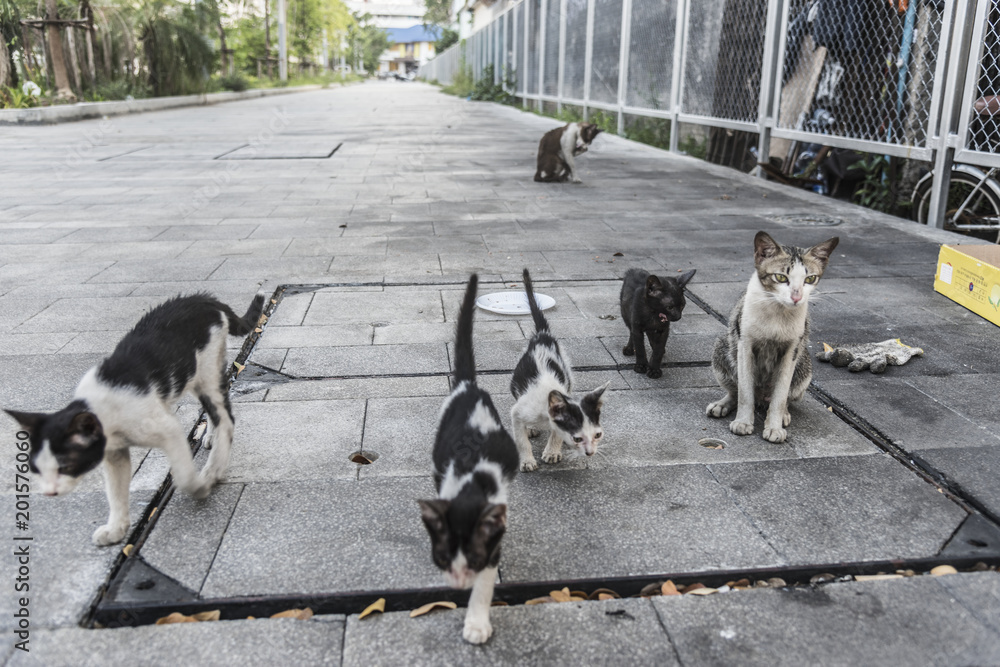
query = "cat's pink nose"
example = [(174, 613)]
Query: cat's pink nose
[(796, 297)]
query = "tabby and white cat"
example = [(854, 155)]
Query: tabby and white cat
[(474, 461), (129, 400), (542, 384), (763, 357)]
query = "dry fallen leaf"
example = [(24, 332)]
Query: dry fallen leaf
[(239, 367), (178, 617), (618, 254), (692, 587), (605, 596), (499, 603), (257, 330), (378, 605), (561, 596), (128, 550), (704, 590), (943, 569), (299, 614), (442, 604), (876, 577), (668, 588), (650, 589), (827, 348), (712, 443), (596, 595), (541, 600)]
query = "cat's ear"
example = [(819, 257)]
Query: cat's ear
[(85, 429), (822, 251), (685, 277), (653, 284), (29, 420), (492, 522), (557, 403), (596, 397), (433, 513), (764, 247)]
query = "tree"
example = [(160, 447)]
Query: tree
[(63, 90), (10, 30), (367, 42)]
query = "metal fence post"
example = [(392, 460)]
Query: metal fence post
[(588, 59), (623, 55), (497, 57), (542, 13), (562, 55), (770, 82), (678, 72), (945, 140), (526, 19)]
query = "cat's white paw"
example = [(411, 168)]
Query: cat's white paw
[(786, 418), (741, 428), (530, 465), (477, 631), (201, 487), (109, 534), (775, 434), (552, 457), (718, 409)]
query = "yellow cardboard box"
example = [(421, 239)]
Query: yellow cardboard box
[(970, 275)]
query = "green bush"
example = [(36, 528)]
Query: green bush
[(485, 90), (234, 82)]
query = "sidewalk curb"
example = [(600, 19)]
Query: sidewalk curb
[(85, 110)]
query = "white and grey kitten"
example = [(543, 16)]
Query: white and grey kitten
[(558, 149), (474, 462), (542, 384), (763, 357), (129, 400)]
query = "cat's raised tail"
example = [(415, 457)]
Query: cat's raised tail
[(241, 326), (536, 313), (465, 359)]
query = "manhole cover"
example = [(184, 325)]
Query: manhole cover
[(805, 220)]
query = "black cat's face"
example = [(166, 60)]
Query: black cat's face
[(665, 296), (64, 446), (465, 539)]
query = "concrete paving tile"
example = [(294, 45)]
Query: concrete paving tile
[(964, 394), (389, 307), (887, 623), (255, 248), (100, 314), (43, 343), (564, 308), (680, 347), (828, 510), (159, 270), (387, 387), (396, 267), (297, 440), (230, 232), (970, 468), (265, 552), (544, 634), (271, 358), (132, 232), (401, 431), (42, 382), (430, 332), (979, 592), (188, 533), (66, 568), (909, 417), (285, 270), (93, 342), (261, 641), (291, 310), (50, 273), (347, 333), (626, 522), (466, 243), (311, 247), (315, 362)]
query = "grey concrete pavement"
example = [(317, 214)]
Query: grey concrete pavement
[(98, 224)]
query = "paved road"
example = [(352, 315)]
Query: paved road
[(361, 211)]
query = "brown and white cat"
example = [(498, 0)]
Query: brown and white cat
[(559, 147), (763, 357)]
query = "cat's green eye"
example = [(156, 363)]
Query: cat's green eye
[(781, 277), (811, 280)]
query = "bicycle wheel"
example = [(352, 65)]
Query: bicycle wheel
[(984, 209)]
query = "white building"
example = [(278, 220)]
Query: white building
[(390, 13)]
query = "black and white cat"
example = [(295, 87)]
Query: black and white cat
[(129, 400), (542, 384), (649, 304), (558, 148), (474, 461), (763, 358)]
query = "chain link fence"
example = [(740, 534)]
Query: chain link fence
[(916, 79)]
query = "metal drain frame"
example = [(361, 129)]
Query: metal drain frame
[(109, 609)]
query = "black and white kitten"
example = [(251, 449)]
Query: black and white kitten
[(558, 148), (542, 384), (649, 304), (763, 358), (474, 461), (129, 399)]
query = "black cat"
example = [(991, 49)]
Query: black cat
[(649, 304)]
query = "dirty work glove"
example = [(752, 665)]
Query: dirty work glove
[(874, 356)]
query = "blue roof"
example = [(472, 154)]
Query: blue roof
[(417, 33)]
